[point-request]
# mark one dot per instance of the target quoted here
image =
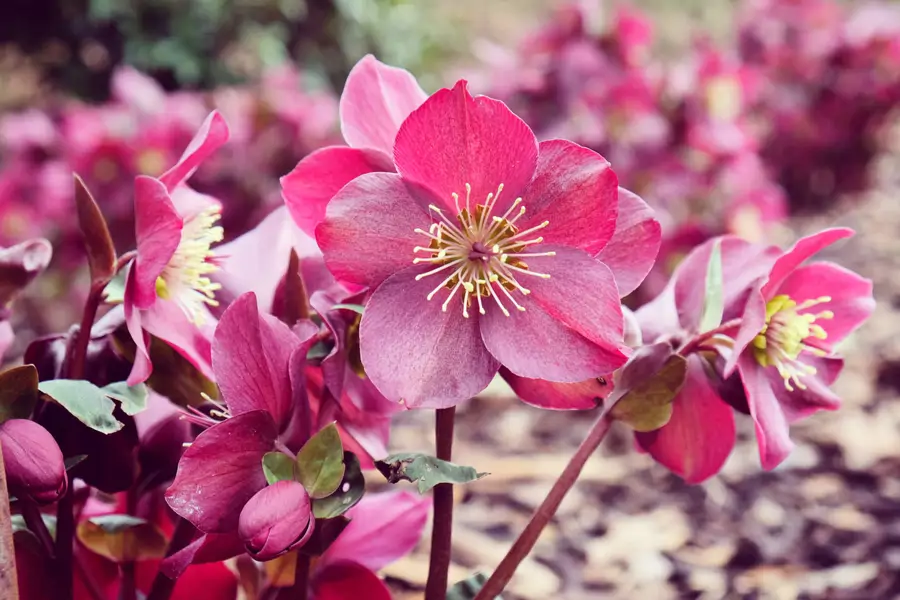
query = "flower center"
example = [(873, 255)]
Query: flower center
[(480, 253), (783, 338), (184, 279)]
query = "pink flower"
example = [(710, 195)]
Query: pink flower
[(34, 463), (168, 287), (781, 322), (277, 519), (464, 278)]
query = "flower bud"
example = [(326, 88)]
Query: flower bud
[(34, 464), (275, 520)]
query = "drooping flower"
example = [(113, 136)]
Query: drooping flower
[(276, 519), (34, 463), (168, 288), (465, 278), (773, 357)]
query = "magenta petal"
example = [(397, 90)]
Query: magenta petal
[(221, 471), (189, 202), (772, 431), (700, 435), (35, 469), (376, 100), (632, 250), (368, 232), (383, 528), (415, 352), (574, 189), (753, 319), (799, 253), (275, 520), (167, 321), (209, 547), (211, 135), (454, 139), (851, 298), (347, 580), (320, 175), (558, 396), (158, 232), (142, 367), (659, 317), (581, 293), (251, 354)]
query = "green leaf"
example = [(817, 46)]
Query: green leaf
[(133, 398), (321, 462), (114, 292), (85, 401), (357, 308), (279, 467), (122, 538), (348, 493), (713, 301), (646, 387), (18, 392), (426, 471), (467, 589)]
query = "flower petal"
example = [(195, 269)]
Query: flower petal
[(582, 395), (251, 353), (772, 432), (320, 175), (221, 471), (851, 298), (368, 232), (142, 367), (454, 139), (158, 232), (211, 135), (168, 322), (347, 580), (207, 548), (633, 248), (797, 255), (574, 189), (34, 463), (376, 100), (753, 319), (799, 404), (383, 528), (700, 434), (415, 352)]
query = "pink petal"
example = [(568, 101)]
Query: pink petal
[(257, 261), (142, 367), (659, 317), (221, 471), (376, 100), (368, 232), (348, 581), (207, 548), (574, 189), (700, 435), (140, 91), (415, 352), (581, 293), (797, 255), (753, 319), (320, 175), (158, 232), (212, 134), (168, 322), (454, 139), (632, 250), (851, 298), (583, 395), (383, 528), (772, 432), (251, 354), (189, 202)]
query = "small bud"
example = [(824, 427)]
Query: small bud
[(34, 463), (275, 520)]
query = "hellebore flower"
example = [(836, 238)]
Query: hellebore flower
[(464, 279), (781, 323), (168, 287), (276, 519), (19, 265), (258, 362), (34, 464)]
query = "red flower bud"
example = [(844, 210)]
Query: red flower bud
[(277, 519), (34, 463)]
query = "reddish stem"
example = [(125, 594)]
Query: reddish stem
[(9, 585), (35, 522), (541, 517), (162, 586), (300, 589), (127, 590), (442, 523)]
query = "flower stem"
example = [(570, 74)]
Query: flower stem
[(442, 523), (35, 522), (9, 588), (529, 536), (300, 589), (162, 586), (127, 590)]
